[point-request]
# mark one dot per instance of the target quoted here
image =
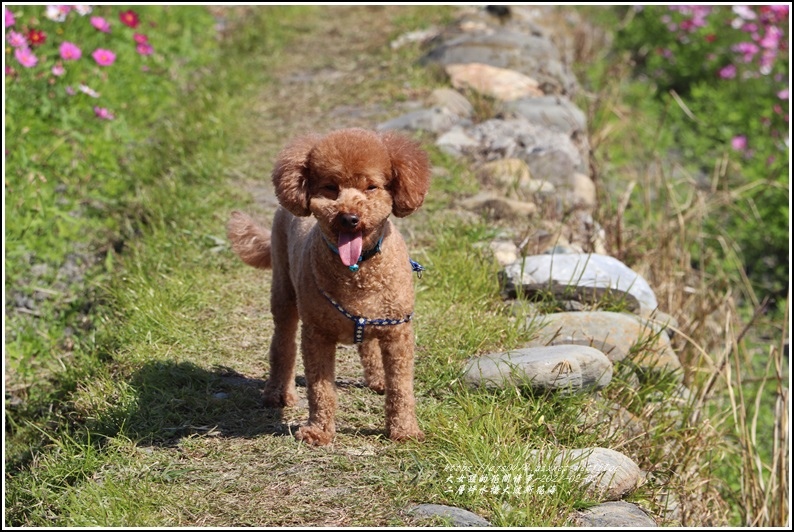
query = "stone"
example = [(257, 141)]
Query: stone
[(452, 101), (586, 277), (504, 251), (662, 320), (611, 421), (419, 36), (512, 177), (551, 156), (457, 516), (608, 474), (616, 514), (456, 142), (615, 334), (498, 207), (499, 83), (531, 54), (554, 112), (583, 191), (561, 367), (435, 120)]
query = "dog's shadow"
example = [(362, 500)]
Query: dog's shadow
[(178, 399)]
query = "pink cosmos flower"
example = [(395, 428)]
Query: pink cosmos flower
[(783, 95), (728, 72), (10, 20), (739, 143), (100, 24), (69, 90), (144, 49), (70, 51), (129, 18), (36, 37), (747, 49), (771, 38), (140, 38), (745, 12), (57, 13), (767, 61), (16, 39), (58, 70), (85, 89), (82, 9), (25, 57), (781, 11), (104, 57), (103, 113)]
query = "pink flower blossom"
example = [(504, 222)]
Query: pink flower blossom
[(140, 38), (85, 89), (57, 13), (144, 49), (10, 20), (129, 18), (728, 72), (69, 90), (58, 70), (771, 38), (25, 57), (767, 61), (16, 39), (747, 49), (104, 57), (744, 12), (783, 95), (70, 51), (103, 113), (100, 24), (739, 143), (82, 9)]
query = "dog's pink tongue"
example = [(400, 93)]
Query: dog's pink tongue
[(350, 247)]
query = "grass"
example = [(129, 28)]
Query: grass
[(149, 413)]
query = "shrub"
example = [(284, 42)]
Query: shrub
[(723, 71)]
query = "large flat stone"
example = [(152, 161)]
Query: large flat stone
[(560, 367), (500, 83), (586, 277), (617, 335), (617, 514), (457, 516), (608, 474)]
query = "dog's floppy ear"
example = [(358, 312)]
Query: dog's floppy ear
[(290, 175), (410, 173)]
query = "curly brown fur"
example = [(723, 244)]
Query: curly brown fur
[(340, 188)]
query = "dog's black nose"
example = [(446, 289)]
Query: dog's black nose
[(349, 220)]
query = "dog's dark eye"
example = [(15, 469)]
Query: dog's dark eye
[(331, 188), (371, 188)]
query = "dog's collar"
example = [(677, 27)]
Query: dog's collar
[(364, 254)]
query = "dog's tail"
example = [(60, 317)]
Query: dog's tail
[(249, 241)]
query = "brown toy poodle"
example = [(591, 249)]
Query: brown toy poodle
[(341, 267)]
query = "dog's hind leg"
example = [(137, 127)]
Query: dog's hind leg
[(280, 388)]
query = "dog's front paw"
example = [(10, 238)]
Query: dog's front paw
[(279, 398), (314, 435), (376, 385), (405, 434)]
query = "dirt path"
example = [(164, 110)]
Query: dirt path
[(247, 470)]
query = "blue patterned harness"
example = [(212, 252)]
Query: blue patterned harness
[(360, 321)]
